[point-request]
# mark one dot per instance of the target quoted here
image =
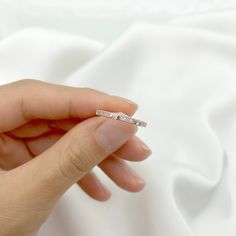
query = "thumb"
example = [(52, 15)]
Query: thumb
[(52, 172)]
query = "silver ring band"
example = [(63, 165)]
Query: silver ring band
[(121, 116)]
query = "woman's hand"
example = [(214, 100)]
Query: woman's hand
[(50, 139)]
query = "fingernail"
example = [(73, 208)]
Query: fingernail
[(137, 179), (127, 100), (112, 134), (145, 147)]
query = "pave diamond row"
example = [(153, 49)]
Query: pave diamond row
[(104, 113), (121, 116)]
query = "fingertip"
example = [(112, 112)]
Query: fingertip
[(139, 185), (101, 195), (127, 101), (104, 196), (130, 106), (134, 183), (145, 152), (133, 150)]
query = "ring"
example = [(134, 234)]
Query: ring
[(121, 116)]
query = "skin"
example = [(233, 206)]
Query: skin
[(39, 118)]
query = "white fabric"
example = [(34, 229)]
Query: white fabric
[(182, 73)]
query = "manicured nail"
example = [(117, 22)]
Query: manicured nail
[(112, 134)]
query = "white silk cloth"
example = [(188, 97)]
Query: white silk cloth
[(182, 73)]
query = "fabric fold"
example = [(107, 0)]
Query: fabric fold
[(182, 74)]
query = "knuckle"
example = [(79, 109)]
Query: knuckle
[(75, 160), (79, 157), (4, 147), (33, 87)]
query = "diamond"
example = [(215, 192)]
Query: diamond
[(121, 116)]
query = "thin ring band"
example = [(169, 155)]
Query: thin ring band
[(121, 116)]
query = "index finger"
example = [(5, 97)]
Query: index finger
[(24, 100)]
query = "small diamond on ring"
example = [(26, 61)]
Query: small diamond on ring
[(121, 116)]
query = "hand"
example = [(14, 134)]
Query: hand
[(50, 139)]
